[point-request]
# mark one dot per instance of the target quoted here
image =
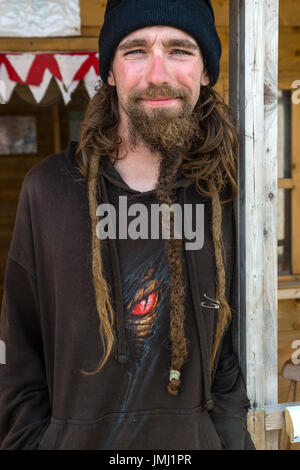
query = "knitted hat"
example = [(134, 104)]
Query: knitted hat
[(195, 17)]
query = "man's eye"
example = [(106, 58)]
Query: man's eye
[(135, 51), (180, 52)]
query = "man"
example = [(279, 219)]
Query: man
[(117, 339)]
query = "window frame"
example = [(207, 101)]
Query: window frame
[(289, 285)]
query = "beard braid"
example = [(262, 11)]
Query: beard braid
[(164, 193)]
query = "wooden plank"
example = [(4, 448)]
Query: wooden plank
[(289, 12), (224, 37), (90, 31), (260, 194), (49, 44), (286, 78), (221, 10), (285, 294), (92, 12), (269, 229), (256, 427), (285, 183), (288, 278), (254, 198), (274, 415), (289, 284), (289, 50), (254, 98), (274, 420), (296, 190)]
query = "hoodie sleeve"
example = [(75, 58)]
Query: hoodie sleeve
[(231, 403), (24, 401)]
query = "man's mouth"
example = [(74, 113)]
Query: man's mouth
[(160, 101)]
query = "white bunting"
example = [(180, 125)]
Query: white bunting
[(90, 81), (66, 94), (69, 66), (7, 85), (39, 91), (21, 63)]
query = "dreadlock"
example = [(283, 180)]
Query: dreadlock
[(164, 194), (224, 311), (102, 294)]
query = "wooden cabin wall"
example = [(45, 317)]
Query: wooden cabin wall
[(52, 124), (13, 167)]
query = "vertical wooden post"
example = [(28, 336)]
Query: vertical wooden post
[(253, 99)]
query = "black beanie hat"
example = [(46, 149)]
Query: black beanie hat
[(195, 17)]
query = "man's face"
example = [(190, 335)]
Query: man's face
[(158, 70)]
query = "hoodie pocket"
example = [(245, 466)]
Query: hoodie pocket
[(208, 434), (151, 430)]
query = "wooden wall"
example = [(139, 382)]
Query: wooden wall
[(50, 120), (14, 167)]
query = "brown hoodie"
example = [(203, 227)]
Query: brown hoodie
[(50, 326)]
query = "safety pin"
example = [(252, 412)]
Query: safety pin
[(212, 300)]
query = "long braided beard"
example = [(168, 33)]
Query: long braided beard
[(168, 168)]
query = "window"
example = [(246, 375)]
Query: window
[(288, 187)]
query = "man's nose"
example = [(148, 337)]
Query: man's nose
[(157, 71)]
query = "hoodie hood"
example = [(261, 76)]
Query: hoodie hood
[(111, 175)]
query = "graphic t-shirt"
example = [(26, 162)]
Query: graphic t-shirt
[(145, 278)]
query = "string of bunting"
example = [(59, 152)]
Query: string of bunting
[(37, 69)]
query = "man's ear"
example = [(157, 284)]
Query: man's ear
[(205, 79), (111, 78)]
